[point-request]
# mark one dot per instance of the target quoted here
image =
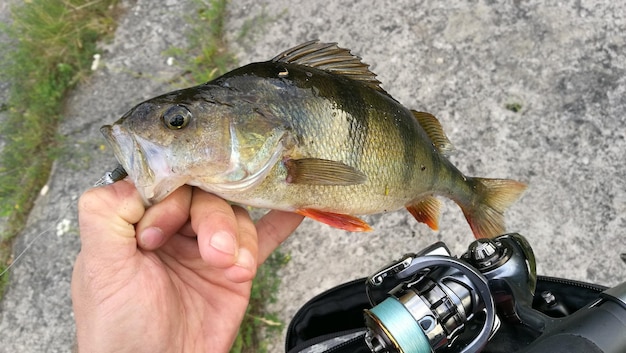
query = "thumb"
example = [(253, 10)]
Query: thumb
[(106, 218)]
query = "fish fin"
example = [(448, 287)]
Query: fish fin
[(433, 129), (485, 214), (337, 220), (315, 171), (331, 58), (426, 211)]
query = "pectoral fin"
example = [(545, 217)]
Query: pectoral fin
[(337, 220), (315, 171), (426, 211)]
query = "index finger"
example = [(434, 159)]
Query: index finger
[(162, 220)]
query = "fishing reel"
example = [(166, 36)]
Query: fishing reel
[(487, 300), (441, 303)]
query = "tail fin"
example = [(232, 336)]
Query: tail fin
[(485, 214)]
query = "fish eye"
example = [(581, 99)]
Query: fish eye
[(176, 117)]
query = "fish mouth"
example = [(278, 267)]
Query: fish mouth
[(144, 162)]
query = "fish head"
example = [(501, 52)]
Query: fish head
[(198, 137)]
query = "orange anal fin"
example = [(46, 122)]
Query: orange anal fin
[(337, 220), (426, 211)]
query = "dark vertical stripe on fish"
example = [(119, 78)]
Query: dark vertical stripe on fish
[(406, 129), (348, 103), (359, 125)]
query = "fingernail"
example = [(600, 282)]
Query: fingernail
[(151, 238), (224, 242), (245, 259)]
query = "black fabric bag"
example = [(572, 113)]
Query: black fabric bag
[(333, 321)]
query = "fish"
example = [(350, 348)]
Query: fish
[(310, 131)]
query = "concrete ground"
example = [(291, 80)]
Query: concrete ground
[(563, 64)]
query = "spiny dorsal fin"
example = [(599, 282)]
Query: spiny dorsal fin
[(433, 129), (331, 58)]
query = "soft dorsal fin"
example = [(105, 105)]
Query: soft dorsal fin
[(433, 129), (331, 58)]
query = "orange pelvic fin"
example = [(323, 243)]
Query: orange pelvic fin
[(337, 220), (426, 211)]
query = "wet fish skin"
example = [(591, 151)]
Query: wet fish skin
[(310, 131)]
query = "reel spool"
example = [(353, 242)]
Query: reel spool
[(429, 312)]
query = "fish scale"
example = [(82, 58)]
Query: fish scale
[(310, 131)]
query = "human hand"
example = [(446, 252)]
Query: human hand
[(175, 277)]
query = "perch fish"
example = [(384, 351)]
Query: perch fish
[(310, 131)]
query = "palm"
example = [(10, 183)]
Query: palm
[(185, 300), (208, 304), (183, 294)]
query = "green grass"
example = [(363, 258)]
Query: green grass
[(51, 48), (259, 324), (205, 58), (514, 107), (206, 55)]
